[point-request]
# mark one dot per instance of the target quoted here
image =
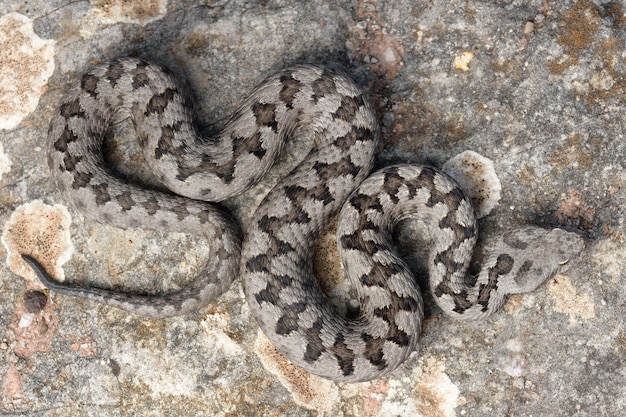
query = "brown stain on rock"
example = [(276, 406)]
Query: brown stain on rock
[(32, 333), (373, 45)]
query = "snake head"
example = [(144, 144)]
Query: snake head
[(539, 254)]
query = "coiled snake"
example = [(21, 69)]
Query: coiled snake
[(275, 262)]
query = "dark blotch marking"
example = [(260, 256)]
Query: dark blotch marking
[(265, 114), (114, 72), (326, 172), (276, 283), (461, 303), (348, 108), (180, 211), (89, 84), (374, 351), (514, 242), (140, 78), (65, 139), (289, 321), (260, 263), (151, 205), (373, 345), (344, 355), (521, 277), (245, 145), (81, 180), (158, 102), (296, 193), (271, 226), (356, 134), (71, 109), (291, 87), (504, 265), (70, 161), (315, 347), (379, 276), (324, 85), (102, 193), (165, 144), (366, 202), (126, 200)]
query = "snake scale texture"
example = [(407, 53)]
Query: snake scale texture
[(274, 259)]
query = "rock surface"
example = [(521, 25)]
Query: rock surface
[(536, 87)]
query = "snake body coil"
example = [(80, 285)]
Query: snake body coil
[(275, 262)]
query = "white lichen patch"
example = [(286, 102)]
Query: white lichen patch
[(5, 162), (307, 390), (26, 63), (433, 392), (215, 326), (514, 362), (164, 373), (608, 255), (41, 231), (568, 300), (477, 177)]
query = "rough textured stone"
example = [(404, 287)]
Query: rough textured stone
[(536, 87)]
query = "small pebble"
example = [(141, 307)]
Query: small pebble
[(35, 301)]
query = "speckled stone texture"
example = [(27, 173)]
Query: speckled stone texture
[(535, 87)]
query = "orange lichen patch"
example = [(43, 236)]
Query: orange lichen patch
[(131, 11), (307, 390), (26, 63), (577, 27), (607, 80), (32, 332), (579, 31), (433, 392), (569, 301), (41, 231), (574, 209), (372, 44), (578, 152), (13, 399)]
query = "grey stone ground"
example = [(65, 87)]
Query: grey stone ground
[(537, 87)]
